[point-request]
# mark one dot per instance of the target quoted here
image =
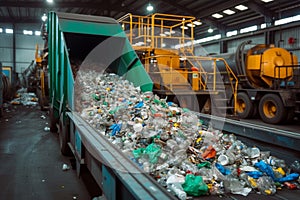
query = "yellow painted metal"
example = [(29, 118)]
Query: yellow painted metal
[(152, 30), (265, 63), (42, 78), (38, 57), (168, 55), (269, 109), (240, 106)]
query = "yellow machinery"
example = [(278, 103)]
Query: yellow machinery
[(269, 82), (263, 65), (166, 49)]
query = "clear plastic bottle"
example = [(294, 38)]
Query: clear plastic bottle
[(295, 166), (274, 161), (266, 186), (178, 190)]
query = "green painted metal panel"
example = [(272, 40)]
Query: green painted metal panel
[(125, 61), (91, 28)]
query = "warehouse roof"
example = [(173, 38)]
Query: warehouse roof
[(221, 16)]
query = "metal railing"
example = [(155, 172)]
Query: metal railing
[(284, 81)]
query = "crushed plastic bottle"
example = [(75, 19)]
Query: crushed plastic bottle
[(266, 186), (178, 190), (295, 166)]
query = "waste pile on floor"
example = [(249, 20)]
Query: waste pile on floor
[(25, 98), (172, 145)]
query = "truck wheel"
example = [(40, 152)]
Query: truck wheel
[(63, 134), (244, 106), (271, 109), (53, 121)]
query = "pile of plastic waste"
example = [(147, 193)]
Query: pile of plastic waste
[(172, 145), (25, 98)]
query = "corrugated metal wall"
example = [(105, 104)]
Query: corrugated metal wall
[(256, 39), (206, 50), (25, 45), (282, 39)]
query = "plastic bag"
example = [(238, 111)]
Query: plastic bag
[(290, 177), (204, 164), (115, 128), (153, 151), (194, 185), (264, 167), (137, 153), (255, 174), (210, 152), (222, 169)]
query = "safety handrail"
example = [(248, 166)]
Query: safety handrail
[(286, 79)]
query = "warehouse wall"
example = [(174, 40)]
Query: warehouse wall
[(25, 45), (284, 35), (281, 39), (206, 50), (256, 39)]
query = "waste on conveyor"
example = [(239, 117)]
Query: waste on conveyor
[(171, 144)]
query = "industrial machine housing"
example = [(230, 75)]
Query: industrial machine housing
[(263, 79)]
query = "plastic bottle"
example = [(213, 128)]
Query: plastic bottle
[(276, 162), (178, 190), (223, 159), (266, 185), (295, 166), (172, 144), (233, 185)]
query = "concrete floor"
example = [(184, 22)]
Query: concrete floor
[(31, 163)]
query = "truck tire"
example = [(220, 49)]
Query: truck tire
[(271, 109), (64, 135), (244, 106)]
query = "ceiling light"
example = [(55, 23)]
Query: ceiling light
[(183, 27), (8, 30), (241, 7), (25, 32), (231, 33), (150, 7), (50, 1), (266, 1), (217, 15), (37, 32), (1, 30), (197, 23), (248, 29), (228, 12), (169, 32), (44, 17), (210, 30), (191, 25)]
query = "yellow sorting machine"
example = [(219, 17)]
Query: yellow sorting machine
[(268, 82), (167, 51)]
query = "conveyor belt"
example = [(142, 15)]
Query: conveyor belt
[(136, 181), (266, 134)]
